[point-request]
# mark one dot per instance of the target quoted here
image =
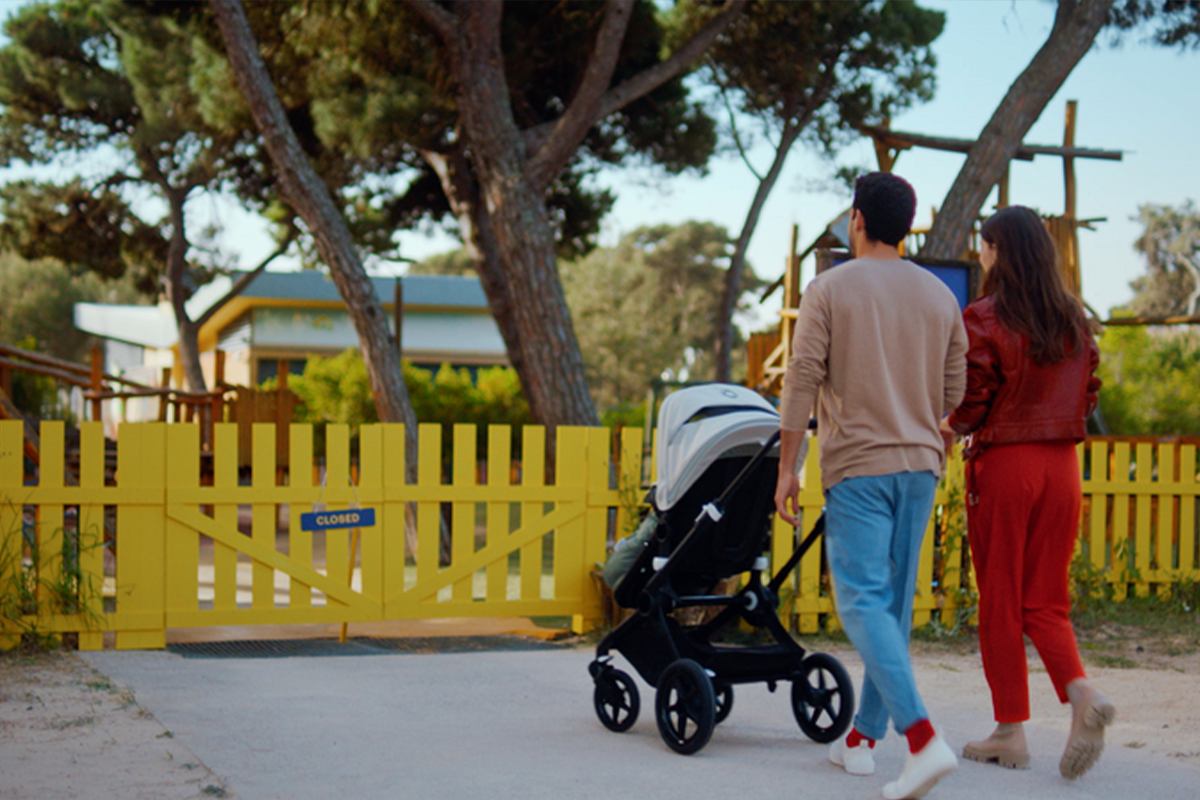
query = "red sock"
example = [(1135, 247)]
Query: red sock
[(855, 739), (919, 735)]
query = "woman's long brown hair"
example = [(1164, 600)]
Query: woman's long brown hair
[(1030, 294)]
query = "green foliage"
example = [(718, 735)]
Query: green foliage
[(828, 67), (333, 390), (337, 390), (28, 597), (368, 86), (627, 415), (89, 229), (1168, 615), (455, 262), (1151, 379), (34, 395), (1170, 23), (103, 90), (37, 302), (647, 306), (1170, 242)]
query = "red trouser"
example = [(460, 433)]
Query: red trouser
[(1023, 516)]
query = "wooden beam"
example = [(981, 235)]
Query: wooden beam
[(901, 140), (1069, 162), (1193, 319)]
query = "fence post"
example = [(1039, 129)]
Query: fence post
[(572, 470), (140, 620), (392, 521), (594, 545), (12, 543), (370, 487), (810, 603), (97, 382)]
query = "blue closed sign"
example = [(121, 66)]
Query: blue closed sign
[(349, 518)]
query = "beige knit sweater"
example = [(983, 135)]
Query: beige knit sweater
[(881, 349)]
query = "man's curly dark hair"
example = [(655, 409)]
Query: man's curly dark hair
[(887, 203)]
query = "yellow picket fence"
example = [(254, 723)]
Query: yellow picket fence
[(170, 537)]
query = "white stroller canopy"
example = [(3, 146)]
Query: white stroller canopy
[(687, 447)]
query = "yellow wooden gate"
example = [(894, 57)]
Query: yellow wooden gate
[(167, 536), (192, 541)]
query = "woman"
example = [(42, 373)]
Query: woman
[(1031, 385)]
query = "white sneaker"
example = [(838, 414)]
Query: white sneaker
[(922, 770), (855, 760)]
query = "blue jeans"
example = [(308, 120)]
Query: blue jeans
[(874, 526)]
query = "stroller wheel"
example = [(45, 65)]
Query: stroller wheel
[(685, 707), (724, 695), (616, 699), (823, 700)]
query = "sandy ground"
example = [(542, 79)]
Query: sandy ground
[(67, 732)]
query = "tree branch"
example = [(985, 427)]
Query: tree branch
[(1076, 24), (1193, 269), (247, 278), (579, 117), (438, 18), (737, 138), (648, 80)]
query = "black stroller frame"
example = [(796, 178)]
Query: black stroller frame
[(693, 676)]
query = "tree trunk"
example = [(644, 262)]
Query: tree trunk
[(458, 183), (187, 332), (309, 196), (553, 377), (512, 172), (1075, 27), (737, 264)]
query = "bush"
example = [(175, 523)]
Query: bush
[(1150, 381), (337, 390)]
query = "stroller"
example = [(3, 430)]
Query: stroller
[(717, 460)]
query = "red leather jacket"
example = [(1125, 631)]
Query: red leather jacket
[(1011, 399)]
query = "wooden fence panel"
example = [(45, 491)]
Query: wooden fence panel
[(518, 545), (533, 477), (1189, 494), (182, 544), (499, 511), (813, 593), (1167, 534), (393, 529), (91, 531), (429, 512), (49, 527), (300, 541), (12, 539), (225, 515), (141, 537), (462, 514), (339, 561), (371, 557)]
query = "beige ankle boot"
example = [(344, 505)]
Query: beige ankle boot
[(1091, 712), (1006, 747)]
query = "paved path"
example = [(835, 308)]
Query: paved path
[(520, 724)]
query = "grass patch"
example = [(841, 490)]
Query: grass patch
[(1115, 662), (78, 722)]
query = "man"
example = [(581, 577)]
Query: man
[(880, 349)]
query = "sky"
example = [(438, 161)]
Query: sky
[(1138, 98), (1141, 99)]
